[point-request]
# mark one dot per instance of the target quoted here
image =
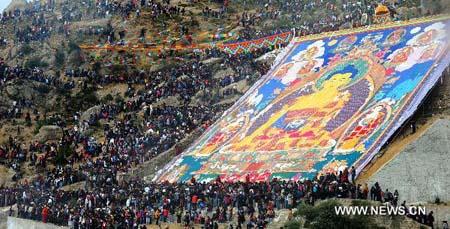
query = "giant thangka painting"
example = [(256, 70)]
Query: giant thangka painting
[(328, 103)]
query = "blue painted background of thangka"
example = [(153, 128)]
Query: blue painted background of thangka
[(327, 104)]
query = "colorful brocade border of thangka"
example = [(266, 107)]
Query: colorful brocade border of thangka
[(373, 27), (285, 38), (247, 46)]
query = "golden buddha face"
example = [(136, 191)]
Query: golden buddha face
[(337, 81)]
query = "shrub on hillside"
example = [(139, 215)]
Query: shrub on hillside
[(73, 46), (64, 152), (294, 224), (36, 62), (323, 216), (83, 100), (59, 58), (26, 49)]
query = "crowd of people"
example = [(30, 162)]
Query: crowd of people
[(322, 16), (107, 202), (129, 140), (9, 73), (40, 19), (37, 74), (312, 17), (37, 27)]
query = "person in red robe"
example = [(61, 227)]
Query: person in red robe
[(45, 212)]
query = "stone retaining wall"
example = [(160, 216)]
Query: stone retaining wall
[(16, 223), (421, 171)]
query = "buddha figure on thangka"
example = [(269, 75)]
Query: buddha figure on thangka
[(315, 119), (304, 121)]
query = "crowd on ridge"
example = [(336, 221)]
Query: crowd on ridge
[(8, 73), (40, 20), (331, 16)]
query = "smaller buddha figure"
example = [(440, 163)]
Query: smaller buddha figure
[(395, 37), (427, 37), (301, 64)]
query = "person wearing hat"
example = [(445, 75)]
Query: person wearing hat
[(444, 224)]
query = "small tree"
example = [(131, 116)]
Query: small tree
[(64, 152)]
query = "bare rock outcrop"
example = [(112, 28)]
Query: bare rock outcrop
[(49, 133)]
